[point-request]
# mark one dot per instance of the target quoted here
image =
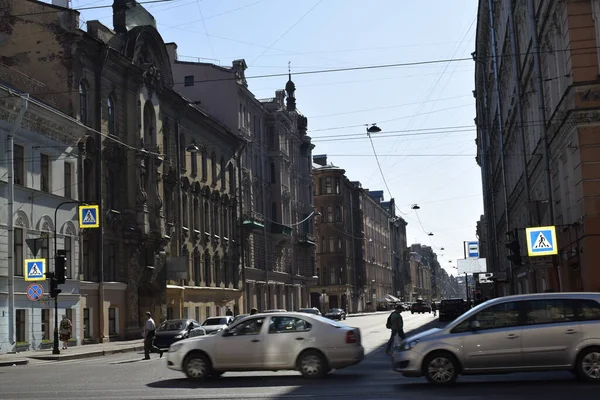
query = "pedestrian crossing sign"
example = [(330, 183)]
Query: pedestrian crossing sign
[(89, 217), (35, 269), (541, 241)]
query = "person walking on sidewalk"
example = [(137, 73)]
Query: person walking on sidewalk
[(66, 329), (149, 334), (434, 308), (396, 324)]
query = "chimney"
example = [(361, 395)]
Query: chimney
[(320, 159), (62, 3)]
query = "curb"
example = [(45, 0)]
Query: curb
[(13, 363), (99, 353)]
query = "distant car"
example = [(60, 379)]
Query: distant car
[(174, 330), (215, 324), (336, 313), (420, 308), (313, 310), (450, 309), (238, 318), (274, 310), (304, 342)]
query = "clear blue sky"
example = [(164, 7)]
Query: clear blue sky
[(316, 35)]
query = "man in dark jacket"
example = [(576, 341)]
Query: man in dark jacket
[(397, 327)]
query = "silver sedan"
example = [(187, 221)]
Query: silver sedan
[(308, 343)]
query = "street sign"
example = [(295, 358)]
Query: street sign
[(473, 249), (35, 269), (35, 291), (485, 278), (541, 241), (89, 217)]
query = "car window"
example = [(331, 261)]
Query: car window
[(548, 311), (502, 315), (588, 310), (215, 321), (171, 326), (248, 327), (288, 324)]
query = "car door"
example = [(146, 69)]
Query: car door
[(286, 337), (241, 347), (551, 332), (496, 343)]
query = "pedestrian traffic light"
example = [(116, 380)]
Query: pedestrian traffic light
[(60, 266), (515, 249), (54, 290)]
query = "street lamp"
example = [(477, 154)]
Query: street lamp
[(430, 234), (415, 207), (373, 129)]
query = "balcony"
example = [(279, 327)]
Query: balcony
[(307, 240), (253, 221), (282, 233)]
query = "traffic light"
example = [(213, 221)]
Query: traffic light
[(515, 248), (54, 290), (60, 266)]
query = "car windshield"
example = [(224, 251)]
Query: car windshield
[(171, 326), (215, 321), (334, 311)]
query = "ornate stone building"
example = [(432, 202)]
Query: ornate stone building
[(134, 162), (275, 179)]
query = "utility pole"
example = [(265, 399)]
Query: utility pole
[(11, 228)]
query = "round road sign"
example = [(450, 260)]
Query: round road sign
[(35, 291)]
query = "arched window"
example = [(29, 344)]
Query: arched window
[(186, 209), (207, 268), (231, 179), (204, 164), (225, 222), (194, 161), (196, 214), (213, 162), (215, 223), (110, 108), (149, 124), (206, 217), (222, 172), (83, 102)]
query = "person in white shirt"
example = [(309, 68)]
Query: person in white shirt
[(149, 333)]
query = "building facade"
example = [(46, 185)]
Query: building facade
[(399, 254), (423, 262), (537, 80), (45, 174), (278, 237), (340, 265), (118, 82)]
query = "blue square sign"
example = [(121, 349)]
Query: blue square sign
[(35, 269), (541, 241), (89, 217)]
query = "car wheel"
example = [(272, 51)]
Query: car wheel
[(412, 312), (312, 364), (197, 367), (588, 365), (440, 369)]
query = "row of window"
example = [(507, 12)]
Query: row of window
[(216, 219), (328, 185), (20, 172), (219, 171), (213, 270), (533, 312), (333, 213)]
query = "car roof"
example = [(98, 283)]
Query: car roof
[(542, 296)]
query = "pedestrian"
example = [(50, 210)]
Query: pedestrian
[(434, 308), (149, 334), (66, 329), (229, 313), (396, 324), (253, 311)]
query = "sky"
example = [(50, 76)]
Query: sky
[(426, 147)]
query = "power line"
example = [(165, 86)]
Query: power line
[(88, 8), (403, 155)]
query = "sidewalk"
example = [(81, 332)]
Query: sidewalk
[(368, 313), (75, 352)]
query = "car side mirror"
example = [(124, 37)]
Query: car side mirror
[(475, 325), (227, 332), (190, 327)]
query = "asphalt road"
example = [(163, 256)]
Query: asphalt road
[(126, 377)]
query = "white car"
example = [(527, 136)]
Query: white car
[(308, 343)]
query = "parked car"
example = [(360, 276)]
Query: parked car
[(420, 307), (215, 324), (450, 309), (305, 342), (173, 330), (336, 313), (523, 333), (312, 310)]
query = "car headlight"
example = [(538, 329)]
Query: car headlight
[(178, 337), (175, 347), (407, 345)]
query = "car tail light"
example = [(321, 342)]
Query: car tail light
[(351, 337)]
